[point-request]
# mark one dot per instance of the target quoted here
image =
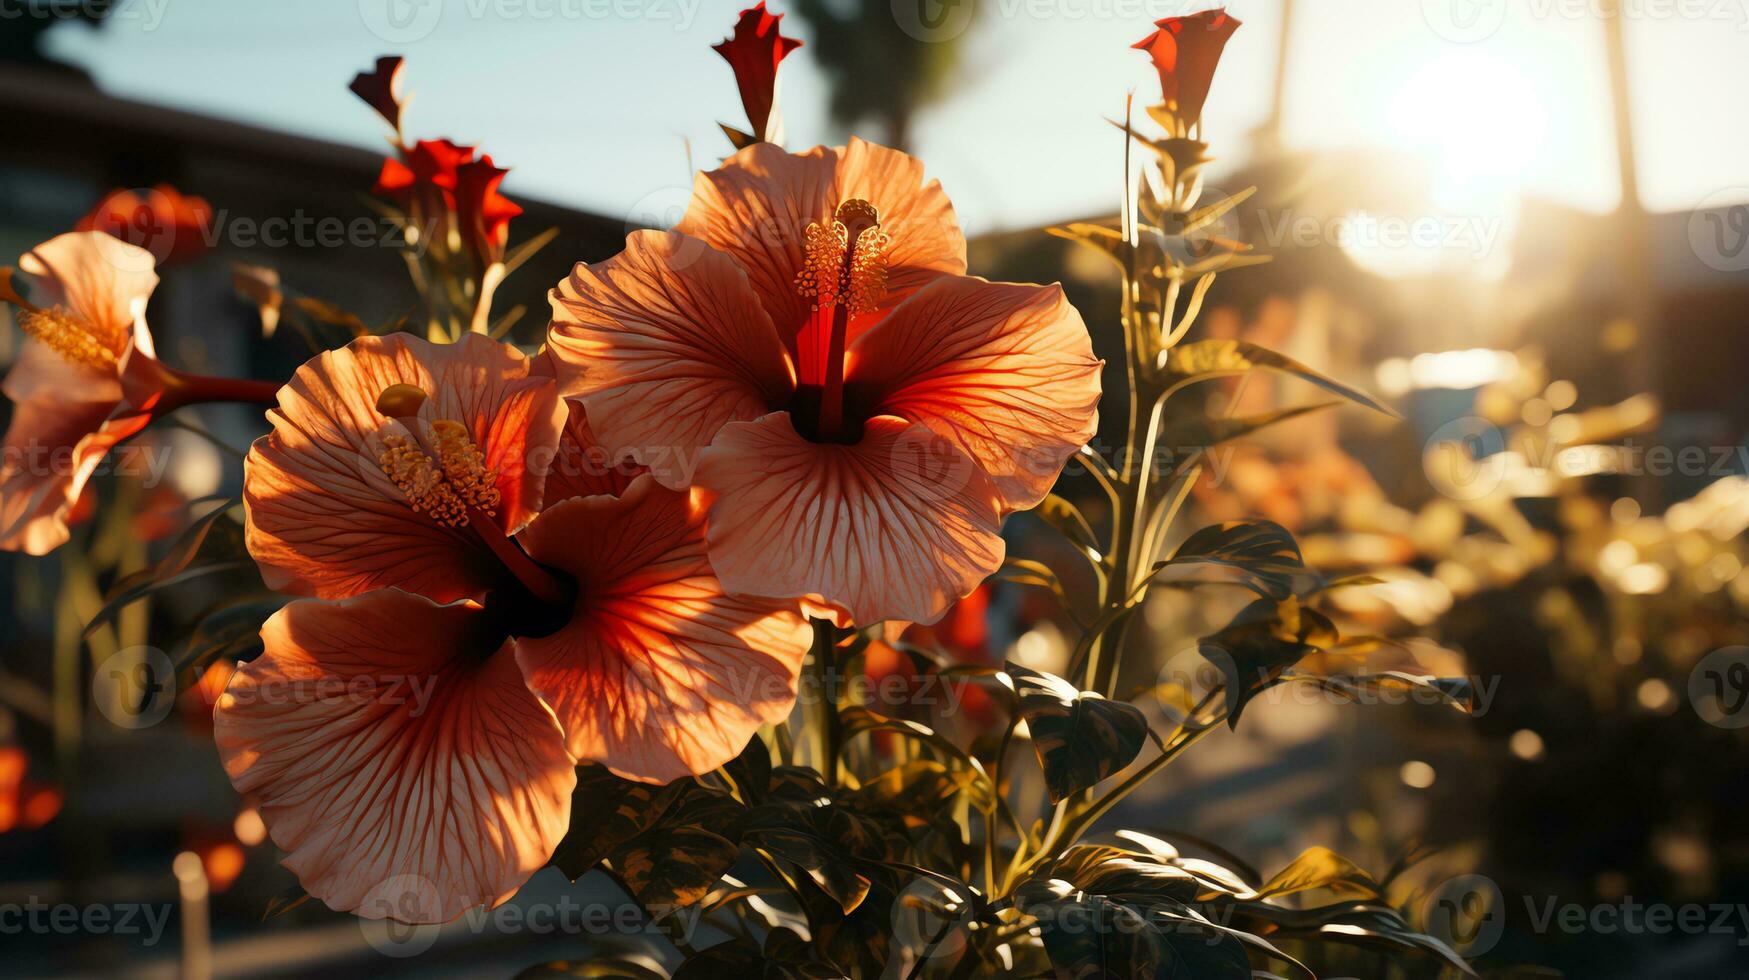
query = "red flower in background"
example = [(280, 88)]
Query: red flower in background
[(1185, 51), (24, 805), (426, 173), (163, 221), (380, 89), (483, 213), (754, 52)]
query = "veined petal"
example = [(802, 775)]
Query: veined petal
[(100, 279), (658, 674), (758, 204), (897, 526), (399, 759), (583, 467), (65, 418), (665, 342), (1004, 370), (323, 517)]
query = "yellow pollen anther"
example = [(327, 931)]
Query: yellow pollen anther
[(844, 260), (74, 338), (447, 487)]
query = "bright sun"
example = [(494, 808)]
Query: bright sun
[(1480, 128)]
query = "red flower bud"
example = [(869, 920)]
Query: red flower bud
[(381, 89), (1185, 51), (754, 52), (483, 213)]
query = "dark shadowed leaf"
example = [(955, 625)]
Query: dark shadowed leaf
[(751, 771), (791, 833), (1260, 644), (1090, 937), (1264, 552), (674, 862), (607, 811), (231, 631), (1080, 737)]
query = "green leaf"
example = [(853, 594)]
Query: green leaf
[(607, 811), (132, 588), (1263, 551), (1080, 737), (1260, 644), (1092, 937), (1067, 519), (674, 862), (789, 832), (1205, 359), (230, 632), (1024, 571), (751, 771), (856, 720), (1103, 239)]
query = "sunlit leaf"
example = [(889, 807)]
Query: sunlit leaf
[(1215, 358), (1080, 737), (1320, 867)]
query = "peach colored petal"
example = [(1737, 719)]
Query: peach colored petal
[(324, 520), (926, 241), (658, 674), (582, 466), (398, 757), (1004, 370), (756, 206), (64, 419), (897, 526), (664, 343), (100, 279)]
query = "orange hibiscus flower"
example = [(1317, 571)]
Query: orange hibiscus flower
[(806, 348), (439, 709), (342, 499)]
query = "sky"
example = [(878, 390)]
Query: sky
[(597, 103)]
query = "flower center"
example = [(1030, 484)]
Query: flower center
[(844, 271), (73, 337), (444, 475), (447, 482)]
